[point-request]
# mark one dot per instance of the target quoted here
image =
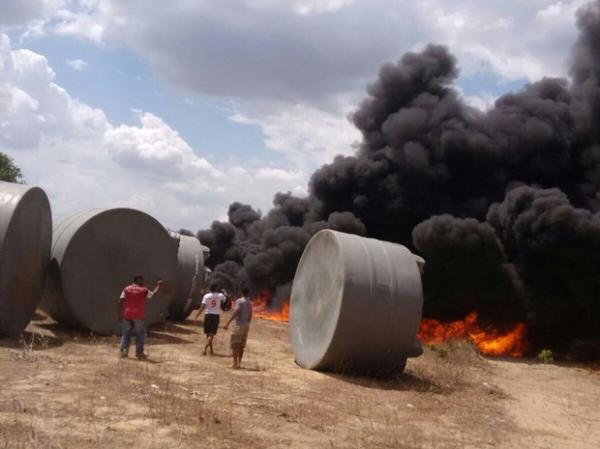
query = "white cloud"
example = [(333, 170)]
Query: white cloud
[(79, 65), (303, 7), (33, 105), (82, 21), (248, 184), (512, 39), (294, 69), (312, 51), (156, 147), (275, 174), (304, 134), (483, 101), (20, 12), (83, 161)]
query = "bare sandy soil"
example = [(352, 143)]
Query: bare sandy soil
[(60, 389)]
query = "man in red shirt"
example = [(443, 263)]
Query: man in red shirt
[(133, 298)]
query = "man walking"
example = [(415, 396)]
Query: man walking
[(242, 314), (212, 302), (133, 299)]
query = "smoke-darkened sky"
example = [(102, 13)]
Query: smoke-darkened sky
[(182, 110), (466, 130), (503, 203)]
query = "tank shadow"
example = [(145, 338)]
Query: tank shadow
[(156, 334), (157, 337), (32, 341), (395, 382), (81, 335), (38, 317), (174, 328), (191, 322)]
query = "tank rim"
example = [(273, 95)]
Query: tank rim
[(318, 361)]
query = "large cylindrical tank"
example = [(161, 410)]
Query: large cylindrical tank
[(356, 304), (190, 276), (95, 254), (25, 237)]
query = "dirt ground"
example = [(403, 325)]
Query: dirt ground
[(60, 389)]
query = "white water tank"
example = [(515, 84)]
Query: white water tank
[(25, 236), (190, 276), (95, 254), (356, 304)]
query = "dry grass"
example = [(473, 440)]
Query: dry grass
[(69, 390)]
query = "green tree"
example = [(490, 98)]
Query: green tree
[(8, 170)]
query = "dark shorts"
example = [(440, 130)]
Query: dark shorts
[(211, 324)]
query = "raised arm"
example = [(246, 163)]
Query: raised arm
[(120, 303), (158, 284)]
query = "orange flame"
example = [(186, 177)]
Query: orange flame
[(261, 308), (488, 341)]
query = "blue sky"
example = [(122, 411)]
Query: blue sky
[(179, 110), (118, 81)]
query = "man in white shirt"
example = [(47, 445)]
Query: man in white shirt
[(212, 303)]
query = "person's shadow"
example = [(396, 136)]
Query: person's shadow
[(157, 337), (148, 360), (173, 328)]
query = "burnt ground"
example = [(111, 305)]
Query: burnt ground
[(63, 389)]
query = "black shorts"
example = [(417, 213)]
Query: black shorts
[(211, 323)]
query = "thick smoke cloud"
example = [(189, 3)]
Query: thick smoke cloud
[(241, 215), (263, 252), (416, 131), (467, 270), (222, 240), (503, 204), (556, 248)]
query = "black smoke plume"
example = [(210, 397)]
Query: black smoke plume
[(556, 248), (503, 204), (466, 270)]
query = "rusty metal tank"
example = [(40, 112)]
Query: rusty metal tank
[(190, 276), (95, 254), (25, 237), (356, 304)]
